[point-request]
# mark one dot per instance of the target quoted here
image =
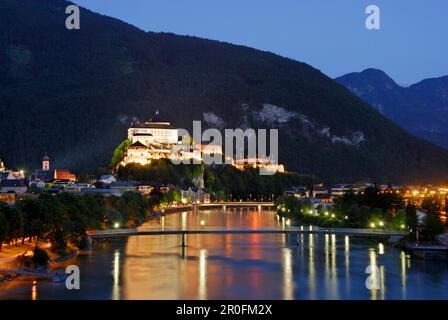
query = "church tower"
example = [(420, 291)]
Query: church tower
[(45, 163), (2, 166)]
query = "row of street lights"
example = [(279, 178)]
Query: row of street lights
[(258, 197)]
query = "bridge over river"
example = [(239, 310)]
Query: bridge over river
[(233, 204), (290, 231)]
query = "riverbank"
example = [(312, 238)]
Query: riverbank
[(172, 210), (13, 259)]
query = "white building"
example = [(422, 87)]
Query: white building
[(153, 132), (156, 140), (2, 166), (107, 179)]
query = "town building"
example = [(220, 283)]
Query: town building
[(6, 174), (46, 174), (12, 175), (145, 189), (78, 187), (195, 196), (107, 179), (8, 198), (339, 190), (153, 133), (258, 163), (17, 186), (120, 187)]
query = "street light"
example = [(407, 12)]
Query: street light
[(116, 225)]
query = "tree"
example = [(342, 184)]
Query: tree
[(120, 152), (112, 217), (399, 220), (411, 217), (432, 205), (56, 232), (15, 223), (36, 216), (132, 207), (433, 226)]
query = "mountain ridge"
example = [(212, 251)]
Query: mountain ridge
[(74, 93), (421, 108)]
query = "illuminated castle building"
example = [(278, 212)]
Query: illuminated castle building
[(154, 140), (159, 140)]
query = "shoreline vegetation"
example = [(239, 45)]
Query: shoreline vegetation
[(51, 229), (54, 226), (370, 209)]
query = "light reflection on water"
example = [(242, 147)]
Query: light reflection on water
[(254, 266)]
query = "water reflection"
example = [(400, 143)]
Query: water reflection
[(377, 277), (347, 264), (311, 267), (380, 248), (403, 273), (327, 261), (116, 274), (288, 282), (333, 270), (202, 292), (184, 216), (237, 267), (34, 291)]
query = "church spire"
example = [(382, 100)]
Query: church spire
[(2, 166), (46, 162)]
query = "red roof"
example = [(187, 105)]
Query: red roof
[(64, 175)]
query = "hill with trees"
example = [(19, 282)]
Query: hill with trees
[(421, 109), (73, 94)]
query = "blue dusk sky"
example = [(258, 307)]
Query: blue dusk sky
[(330, 35)]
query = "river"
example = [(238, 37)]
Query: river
[(241, 266)]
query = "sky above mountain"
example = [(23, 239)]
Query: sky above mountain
[(330, 35)]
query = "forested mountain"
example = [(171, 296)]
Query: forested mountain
[(73, 93), (421, 108)]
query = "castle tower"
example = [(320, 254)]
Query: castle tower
[(45, 163)]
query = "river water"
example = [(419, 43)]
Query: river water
[(241, 266)]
